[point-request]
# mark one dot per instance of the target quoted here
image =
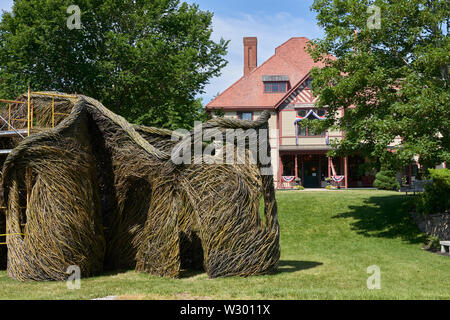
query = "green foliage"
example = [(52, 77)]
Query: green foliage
[(436, 197), (392, 82), (299, 187), (219, 113), (432, 243), (330, 187), (385, 180), (145, 60)]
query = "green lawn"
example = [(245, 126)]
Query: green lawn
[(328, 239)]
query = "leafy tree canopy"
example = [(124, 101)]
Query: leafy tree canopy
[(144, 59), (390, 78)]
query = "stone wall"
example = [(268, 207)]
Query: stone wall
[(435, 225)]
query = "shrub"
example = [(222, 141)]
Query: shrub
[(435, 198), (385, 180), (330, 187), (432, 243), (300, 187)]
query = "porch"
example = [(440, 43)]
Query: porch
[(311, 169)]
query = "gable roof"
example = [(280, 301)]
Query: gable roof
[(293, 92), (290, 59)]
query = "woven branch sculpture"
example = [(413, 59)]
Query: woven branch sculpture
[(105, 195)]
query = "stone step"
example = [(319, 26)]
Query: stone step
[(445, 244)]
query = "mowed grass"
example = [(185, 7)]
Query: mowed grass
[(328, 239)]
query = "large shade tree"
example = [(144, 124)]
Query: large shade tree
[(390, 76), (144, 59)]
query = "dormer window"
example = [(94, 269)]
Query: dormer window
[(275, 83), (275, 87)]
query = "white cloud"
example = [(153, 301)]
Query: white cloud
[(271, 30)]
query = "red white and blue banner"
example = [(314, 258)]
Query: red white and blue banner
[(337, 178), (310, 112), (288, 178)]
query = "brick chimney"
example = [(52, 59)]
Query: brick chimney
[(250, 54)]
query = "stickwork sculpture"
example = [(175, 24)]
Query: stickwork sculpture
[(106, 195)]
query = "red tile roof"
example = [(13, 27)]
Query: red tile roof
[(289, 59)]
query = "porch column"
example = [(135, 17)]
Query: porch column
[(329, 167), (346, 172), (295, 166), (301, 162), (280, 172)]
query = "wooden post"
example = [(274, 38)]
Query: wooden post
[(32, 119)]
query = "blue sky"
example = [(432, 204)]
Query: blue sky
[(273, 22), (6, 5)]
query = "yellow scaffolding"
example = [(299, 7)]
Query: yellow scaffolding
[(29, 119), (11, 116), (56, 95), (29, 125)]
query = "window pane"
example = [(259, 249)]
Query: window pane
[(282, 86), (267, 87), (275, 87), (245, 116), (320, 112)]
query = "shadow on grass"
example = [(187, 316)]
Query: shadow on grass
[(284, 266), (115, 272), (386, 217), (188, 273), (294, 266)]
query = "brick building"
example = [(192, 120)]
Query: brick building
[(282, 85)]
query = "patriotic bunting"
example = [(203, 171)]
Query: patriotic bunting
[(288, 178)]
